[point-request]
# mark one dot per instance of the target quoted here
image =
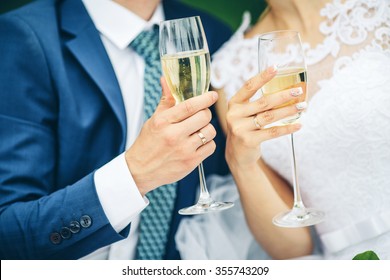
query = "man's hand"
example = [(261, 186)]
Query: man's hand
[(169, 147)]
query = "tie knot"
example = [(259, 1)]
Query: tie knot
[(146, 44)]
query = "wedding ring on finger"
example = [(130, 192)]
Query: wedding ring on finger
[(256, 122), (202, 137)]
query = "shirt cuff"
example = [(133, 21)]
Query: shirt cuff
[(118, 193)]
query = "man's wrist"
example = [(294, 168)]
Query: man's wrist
[(118, 193), (137, 173)]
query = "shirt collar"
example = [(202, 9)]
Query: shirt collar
[(118, 24)]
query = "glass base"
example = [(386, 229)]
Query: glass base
[(200, 208), (299, 218)]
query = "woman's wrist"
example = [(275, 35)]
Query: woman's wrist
[(245, 170)]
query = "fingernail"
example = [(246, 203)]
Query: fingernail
[(272, 69), (297, 126), (301, 105), (296, 91)]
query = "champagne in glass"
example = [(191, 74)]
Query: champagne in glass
[(185, 63), (287, 78), (187, 73), (284, 50)]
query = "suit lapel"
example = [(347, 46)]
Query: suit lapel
[(86, 46)]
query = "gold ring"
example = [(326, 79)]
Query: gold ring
[(201, 136), (256, 122)]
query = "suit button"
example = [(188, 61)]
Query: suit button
[(85, 221), (55, 238), (74, 227), (65, 233)]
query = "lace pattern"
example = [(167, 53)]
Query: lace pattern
[(343, 149), (235, 61), (350, 28)]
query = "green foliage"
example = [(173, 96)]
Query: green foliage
[(231, 11), (7, 5), (368, 255)]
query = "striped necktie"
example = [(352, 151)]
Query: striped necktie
[(156, 218)]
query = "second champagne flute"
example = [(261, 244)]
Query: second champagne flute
[(185, 63), (284, 50)]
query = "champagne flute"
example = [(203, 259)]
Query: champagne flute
[(185, 63), (283, 49)]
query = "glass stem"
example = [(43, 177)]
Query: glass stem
[(299, 207), (204, 197)]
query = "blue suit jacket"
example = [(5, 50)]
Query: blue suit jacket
[(62, 117)]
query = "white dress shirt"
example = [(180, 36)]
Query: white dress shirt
[(116, 189)]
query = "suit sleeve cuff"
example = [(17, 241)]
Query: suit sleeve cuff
[(118, 193)]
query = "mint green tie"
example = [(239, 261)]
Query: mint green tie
[(156, 218)]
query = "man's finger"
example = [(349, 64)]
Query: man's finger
[(167, 101), (191, 106), (195, 122)]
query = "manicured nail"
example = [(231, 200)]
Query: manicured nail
[(301, 105), (296, 91), (297, 126), (272, 69)]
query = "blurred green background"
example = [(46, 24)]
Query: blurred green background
[(229, 11)]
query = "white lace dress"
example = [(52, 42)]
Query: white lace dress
[(343, 149)]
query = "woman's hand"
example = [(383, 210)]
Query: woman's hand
[(246, 120)]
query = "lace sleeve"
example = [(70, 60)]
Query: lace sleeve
[(235, 62)]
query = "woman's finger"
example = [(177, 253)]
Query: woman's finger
[(264, 103), (259, 121), (254, 84), (259, 136)]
